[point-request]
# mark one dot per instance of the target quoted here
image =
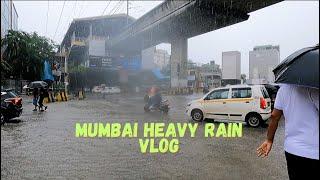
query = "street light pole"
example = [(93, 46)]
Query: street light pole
[(65, 71), (127, 12)]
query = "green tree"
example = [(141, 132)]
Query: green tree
[(26, 53)]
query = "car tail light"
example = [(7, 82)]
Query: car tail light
[(16, 101), (263, 103)]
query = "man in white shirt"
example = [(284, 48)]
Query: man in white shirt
[(300, 108)]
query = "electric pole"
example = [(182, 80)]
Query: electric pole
[(127, 12)]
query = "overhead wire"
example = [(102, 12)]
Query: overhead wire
[(106, 8), (115, 8), (64, 2), (118, 8), (47, 18), (82, 8), (71, 14), (74, 9)]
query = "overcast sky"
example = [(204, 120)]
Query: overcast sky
[(290, 24)]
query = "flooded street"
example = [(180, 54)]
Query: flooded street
[(44, 145)]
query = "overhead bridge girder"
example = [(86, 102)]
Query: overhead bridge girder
[(183, 18)]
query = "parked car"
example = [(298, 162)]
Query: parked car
[(249, 103), (11, 105), (110, 90), (97, 89), (272, 90)]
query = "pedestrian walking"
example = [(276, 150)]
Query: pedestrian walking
[(35, 99), (300, 108), (42, 95)]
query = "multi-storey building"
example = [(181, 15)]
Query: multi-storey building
[(262, 60), (231, 67), (9, 17)]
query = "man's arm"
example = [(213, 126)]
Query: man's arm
[(266, 146), (275, 118)]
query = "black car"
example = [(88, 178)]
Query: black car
[(11, 105)]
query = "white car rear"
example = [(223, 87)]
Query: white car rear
[(96, 89), (111, 90), (233, 103)]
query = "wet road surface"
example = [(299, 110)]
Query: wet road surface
[(42, 145)]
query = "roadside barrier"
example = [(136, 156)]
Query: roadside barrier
[(57, 97), (61, 96), (180, 91)]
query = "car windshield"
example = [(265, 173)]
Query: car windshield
[(9, 94), (6, 96)]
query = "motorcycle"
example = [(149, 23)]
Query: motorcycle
[(163, 108)]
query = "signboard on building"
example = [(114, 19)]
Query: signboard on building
[(102, 62), (130, 63), (95, 61), (106, 62)]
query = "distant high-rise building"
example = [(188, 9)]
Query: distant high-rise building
[(161, 58), (262, 60), (154, 58), (9, 17), (147, 58), (231, 65)]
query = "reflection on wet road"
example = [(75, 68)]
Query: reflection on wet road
[(43, 145)]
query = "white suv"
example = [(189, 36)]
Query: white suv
[(249, 103)]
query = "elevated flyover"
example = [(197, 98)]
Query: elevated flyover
[(176, 21)]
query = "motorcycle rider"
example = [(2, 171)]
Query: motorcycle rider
[(154, 100), (205, 89)]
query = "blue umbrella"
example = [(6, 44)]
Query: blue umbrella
[(47, 72)]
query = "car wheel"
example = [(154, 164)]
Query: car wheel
[(253, 120), (197, 115)]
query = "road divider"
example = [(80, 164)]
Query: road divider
[(179, 91), (56, 97)]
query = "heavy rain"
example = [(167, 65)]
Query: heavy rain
[(172, 89)]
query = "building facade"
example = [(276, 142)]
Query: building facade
[(231, 67), (194, 75), (262, 60), (211, 74), (204, 75), (86, 39), (9, 17), (84, 49), (147, 56), (161, 58), (154, 58)]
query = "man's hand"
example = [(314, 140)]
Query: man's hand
[(265, 148)]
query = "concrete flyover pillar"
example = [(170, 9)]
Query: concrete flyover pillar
[(179, 61)]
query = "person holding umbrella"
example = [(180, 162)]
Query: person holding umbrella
[(38, 95), (35, 93), (298, 101), (42, 95)]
